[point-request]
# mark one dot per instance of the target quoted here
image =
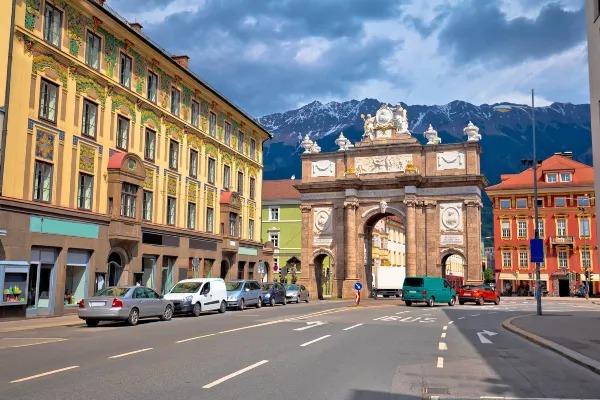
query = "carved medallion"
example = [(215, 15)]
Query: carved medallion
[(451, 217), (322, 219)]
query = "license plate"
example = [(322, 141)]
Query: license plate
[(412, 291), (97, 303), (467, 293)]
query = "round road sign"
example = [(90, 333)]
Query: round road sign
[(357, 286)]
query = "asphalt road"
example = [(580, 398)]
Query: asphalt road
[(321, 350)]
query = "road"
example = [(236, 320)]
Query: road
[(321, 350)]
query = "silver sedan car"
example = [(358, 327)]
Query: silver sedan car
[(124, 303), (296, 293)]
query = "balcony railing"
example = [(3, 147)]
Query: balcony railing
[(558, 240)]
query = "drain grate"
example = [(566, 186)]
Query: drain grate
[(436, 390)]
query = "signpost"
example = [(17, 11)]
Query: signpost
[(261, 271), (358, 286)]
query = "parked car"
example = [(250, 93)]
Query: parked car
[(429, 290), (273, 293), (124, 303), (197, 295), (296, 293), (243, 293), (479, 294)]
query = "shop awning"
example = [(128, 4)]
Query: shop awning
[(507, 276)]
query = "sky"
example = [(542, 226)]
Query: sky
[(271, 56)]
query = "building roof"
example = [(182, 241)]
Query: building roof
[(280, 190), (582, 175), (116, 160)]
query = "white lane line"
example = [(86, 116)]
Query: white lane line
[(45, 374), (49, 341), (443, 346), (445, 328), (402, 312), (352, 327), (241, 371), (461, 318), (130, 353), (474, 315), (314, 341), (440, 363), (443, 335), (450, 323), (493, 312)]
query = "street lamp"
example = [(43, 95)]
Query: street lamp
[(506, 108)]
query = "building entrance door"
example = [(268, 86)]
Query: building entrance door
[(45, 289)]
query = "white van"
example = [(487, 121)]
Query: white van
[(197, 295)]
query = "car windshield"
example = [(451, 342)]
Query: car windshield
[(234, 286), (413, 282), (186, 287), (113, 292), (469, 287), (291, 287), (266, 287)]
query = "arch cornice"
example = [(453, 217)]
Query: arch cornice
[(323, 252), (451, 251)]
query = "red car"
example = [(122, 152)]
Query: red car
[(478, 294)]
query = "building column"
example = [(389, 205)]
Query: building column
[(473, 245), (350, 232), (308, 277), (411, 237), (432, 241)]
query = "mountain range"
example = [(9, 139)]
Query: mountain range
[(506, 137)]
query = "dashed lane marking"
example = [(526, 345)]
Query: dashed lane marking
[(442, 346), (352, 327), (450, 323), (314, 341), (443, 335), (233, 375), (445, 328), (130, 353), (440, 362), (56, 371), (461, 318)]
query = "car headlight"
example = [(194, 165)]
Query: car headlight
[(232, 298), (188, 298), (267, 295)]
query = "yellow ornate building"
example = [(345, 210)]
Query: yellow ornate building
[(120, 165)]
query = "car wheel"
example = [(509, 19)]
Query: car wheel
[(259, 304), (272, 302), (284, 301), (223, 307), (92, 322), (298, 300), (134, 317), (462, 303), (408, 303), (497, 301), (196, 310), (481, 301), (307, 299), (452, 301), (430, 301), (242, 305), (168, 314)]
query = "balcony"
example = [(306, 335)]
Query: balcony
[(562, 240)]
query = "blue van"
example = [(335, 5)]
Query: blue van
[(427, 289)]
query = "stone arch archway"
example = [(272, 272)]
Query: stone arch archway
[(118, 266), (317, 267), (452, 266)]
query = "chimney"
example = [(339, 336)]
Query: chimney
[(182, 60), (136, 26)]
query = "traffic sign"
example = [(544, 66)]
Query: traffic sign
[(357, 286), (275, 267), (536, 247)]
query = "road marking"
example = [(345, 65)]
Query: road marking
[(314, 341), (130, 353), (493, 312), (443, 346), (35, 344), (440, 363), (45, 374), (402, 312), (445, 328), (484, 339), (461, 318), (352, 327), (241, 371), (474, 315), (310, 324), (444, 335), (450, 323)]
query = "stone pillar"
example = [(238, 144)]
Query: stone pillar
[(350, 276), (411, 235), (432, 238), (308, 278), (421, 239), (473, 245)]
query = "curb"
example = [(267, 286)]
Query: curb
[(30, 328), (573, 356)]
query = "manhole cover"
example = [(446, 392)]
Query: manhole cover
[(437, 390)]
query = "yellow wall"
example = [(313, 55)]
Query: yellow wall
[(5, 13), (31, 64)]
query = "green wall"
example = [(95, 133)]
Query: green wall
[(290, 230)]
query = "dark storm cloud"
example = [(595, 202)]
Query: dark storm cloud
[(479, 31)]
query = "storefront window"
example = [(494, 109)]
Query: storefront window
[(74, 284), (168, 274), (15, 285), (148, 266), (206, 273)]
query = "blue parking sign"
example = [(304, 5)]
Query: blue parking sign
[(357, 286)]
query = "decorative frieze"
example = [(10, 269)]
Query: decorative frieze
[(450, 160), (323, 168), (87, 158), (382, 164)]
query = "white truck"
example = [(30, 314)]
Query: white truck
[(388, 281)]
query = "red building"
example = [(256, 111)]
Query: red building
[(567, 224)]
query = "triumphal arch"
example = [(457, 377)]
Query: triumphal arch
[(435, 189)]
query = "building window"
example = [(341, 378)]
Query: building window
[(583, 201), (586, 261), (226, 177), (175, 101), (540, 203), (195, 113), (565, 177), (149, 145), (42, 182), (211, 170), (125, 70), (90, 119), (541, 232), (523, 259), (152, 86), (241, 142), (274, 237), (252, 148), (505, 203), (521, 203), (171, 210), (173, 154), (122, 133), (147, 205), (212, 125), (48, 101), (560, 202), (505, 229), (274, 214), (252, 188), (86, 188), (232, 223), (227, 138), (92, 51), (193, 163), (240, 182), (584, 227), (128, 200), (210, 218), (251, 229), (561, 227), (191, 223), (563, 259), (506, 259), (522, 229), (52, 25), (551, 178)]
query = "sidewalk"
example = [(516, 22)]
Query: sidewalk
[(574, 336), (39, 323)]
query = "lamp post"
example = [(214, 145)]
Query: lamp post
[(507, 108)]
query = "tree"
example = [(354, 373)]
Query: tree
[(488, 275)]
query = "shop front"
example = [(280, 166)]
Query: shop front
[(522, 284)]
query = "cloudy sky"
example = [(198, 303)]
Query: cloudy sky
[(275, 55)]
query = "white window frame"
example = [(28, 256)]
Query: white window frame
[(274, 238), (563, 262), (518, 200), (521, 228), (505, 231), (586, 261), (551, 178), (582, 231), (276, 210), (541, 230), (523, 259), (560, 228), (503, 201), (506, 261), (566, 177)]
